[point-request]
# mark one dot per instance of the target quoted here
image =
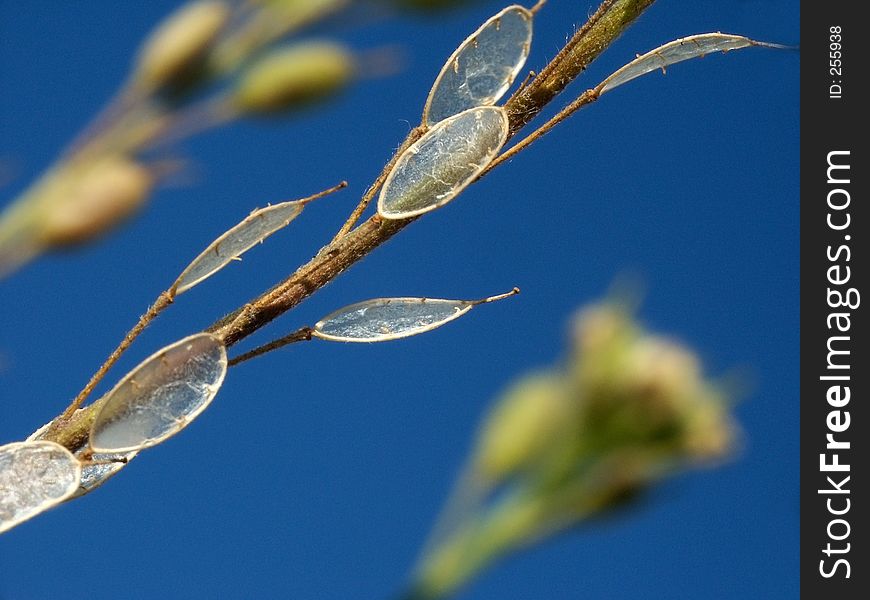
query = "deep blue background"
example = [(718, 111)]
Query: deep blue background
[(318, 470)]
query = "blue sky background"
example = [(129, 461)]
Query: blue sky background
[(318, 470)]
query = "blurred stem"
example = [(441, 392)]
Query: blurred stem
[(476, 544), (468, 493), (118, 134), (536, 509)]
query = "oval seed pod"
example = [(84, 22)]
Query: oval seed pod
[(483, 67), (255, 228), (96, 468), (383, 319), (694, 46), (34, 476), (100, 469), (161, 396), (442, 163)]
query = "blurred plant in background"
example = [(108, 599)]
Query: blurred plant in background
[(210, 62), (626, 410), (561, 447)]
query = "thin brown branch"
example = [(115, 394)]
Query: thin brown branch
[(587, 97), (605, 25), (163, 301), (331, 261), (413, 136), (300, 335)]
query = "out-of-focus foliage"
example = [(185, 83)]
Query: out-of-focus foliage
[(627, 410)]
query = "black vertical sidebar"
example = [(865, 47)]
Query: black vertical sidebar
[(835, 370)]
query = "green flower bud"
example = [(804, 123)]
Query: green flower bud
[(527, 420), (94, 201), (178, 45), (291, 14), (271, 20), (710, 432), (293, 76), (644, 391)]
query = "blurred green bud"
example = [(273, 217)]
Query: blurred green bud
[(646, 390), (292, 14), (571, 445), (430, 5), (676, 401), (178, 45), (710, 432), (293, 76), (665, 380), (602, 328), (271, 20), (93, 201), (521, 426)]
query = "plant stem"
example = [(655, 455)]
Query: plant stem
[(300, 335), (414, 135), (163, 301), (602, 28)]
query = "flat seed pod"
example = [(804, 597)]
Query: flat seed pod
[(484, 66), (384, 319), (161, 396), (34, 476), (96, 468), (694, 46), (435, 168), (256, 227)]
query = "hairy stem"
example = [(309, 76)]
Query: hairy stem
[(603, 27)]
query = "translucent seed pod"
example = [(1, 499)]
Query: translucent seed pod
[(384, 319), (483, 67), (694, 46), (34, 476), (161, 396), (180, 42), (255, 228), (442, 163), (96, 468), (99, 469)]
